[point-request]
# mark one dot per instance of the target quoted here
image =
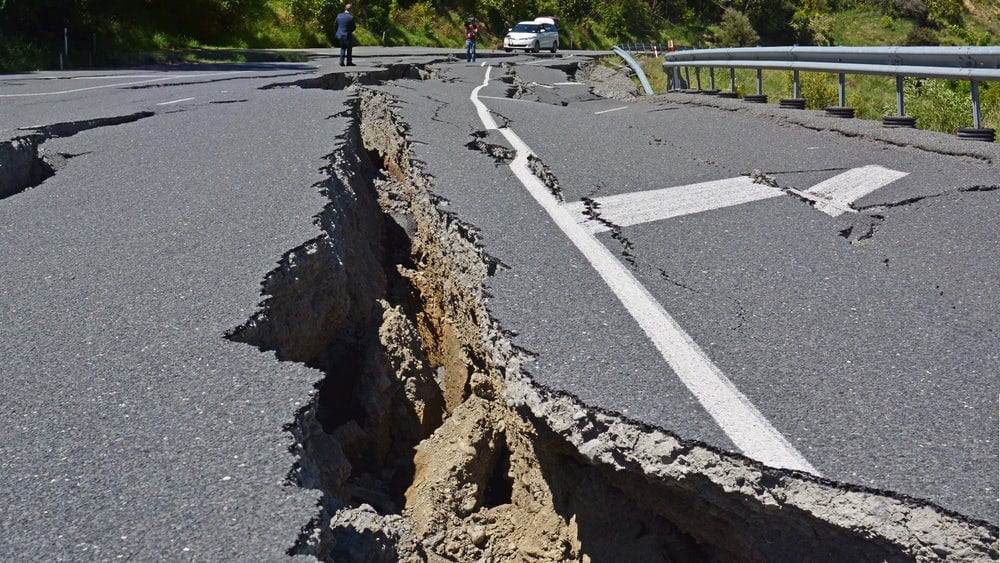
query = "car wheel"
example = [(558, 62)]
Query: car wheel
[(506, 49), (536, 48), (555, 45)]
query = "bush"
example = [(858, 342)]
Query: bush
[(944, 12), (939, 105), (911, 9), (918, 36), (17, 55), (819, 89), (736, 30)]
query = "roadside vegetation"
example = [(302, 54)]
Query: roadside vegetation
[(40, 34)]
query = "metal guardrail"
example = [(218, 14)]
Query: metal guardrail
[(636, 68), (974, 64)]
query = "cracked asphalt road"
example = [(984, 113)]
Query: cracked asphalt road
[(869, 340), (132, 427)]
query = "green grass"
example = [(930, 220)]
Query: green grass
[(937, 105), (863, 27)]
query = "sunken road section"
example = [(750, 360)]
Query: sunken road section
[(429, 442)]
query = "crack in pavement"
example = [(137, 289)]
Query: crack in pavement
[(22, 166), (870, 217), (499, 153)]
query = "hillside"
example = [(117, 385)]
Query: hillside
[(32, 31)]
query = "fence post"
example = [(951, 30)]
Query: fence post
[(795, 84), (977, 116), (901, 120), (66, 40), (841, 90), (899, 96), (760, 82)]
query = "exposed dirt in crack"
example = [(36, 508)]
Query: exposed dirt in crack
[(389, 303), (23, 163), (342, 80), (499, 153)]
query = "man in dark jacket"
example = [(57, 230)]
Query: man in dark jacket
[(345, 34)]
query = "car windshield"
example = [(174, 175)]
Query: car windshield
[(526, 28)]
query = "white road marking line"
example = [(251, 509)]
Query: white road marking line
[(655, 205), (569, 84), (844, 189), (174, 101), (610, 110), (116, 76), (508, 99), (117, 84), (731, 410)]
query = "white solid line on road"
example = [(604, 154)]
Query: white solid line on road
[(174, 101), (844, 189), (732, 411), (508, 99), (569, 84), (117, 84), (610, 110), (654, 205)]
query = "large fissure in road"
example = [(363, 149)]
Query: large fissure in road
[(430, 443), (24, 165)]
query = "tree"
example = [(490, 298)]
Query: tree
[(736, 30)]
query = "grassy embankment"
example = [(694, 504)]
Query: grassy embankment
[(937, 105)]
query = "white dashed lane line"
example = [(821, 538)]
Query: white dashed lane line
[(174, 101)]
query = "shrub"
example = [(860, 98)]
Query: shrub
[(736, 30), (939, 105), (819, 89), (17, 55), (921, 36), (944, 12)]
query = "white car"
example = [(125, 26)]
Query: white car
[(533, 36)]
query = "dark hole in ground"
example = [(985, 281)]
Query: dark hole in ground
[(500, 485), (337, 404)]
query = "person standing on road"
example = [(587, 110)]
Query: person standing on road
[(345, 35), (471, 33)]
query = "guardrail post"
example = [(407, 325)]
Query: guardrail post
[(687, 77), (899, 96), (841, 110), (697, 77), (977, 116), (711, 79), (759, 97), (900, 120), (841, 90), (976, 133), (796, 101), (731, 93)]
